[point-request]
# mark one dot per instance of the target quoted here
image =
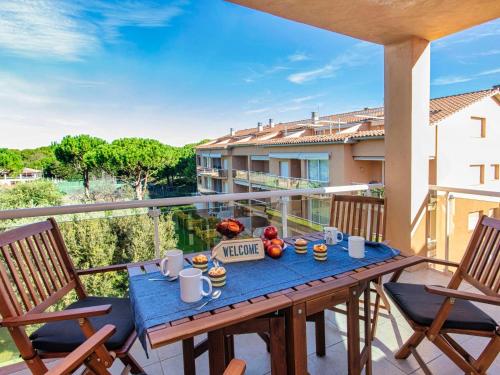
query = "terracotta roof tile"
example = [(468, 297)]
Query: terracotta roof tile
[(324, 138), (440, 108)]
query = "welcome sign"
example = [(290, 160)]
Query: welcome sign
[(239, 250)]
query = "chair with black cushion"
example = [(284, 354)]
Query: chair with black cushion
[(36, 272), (85, 355), (436, 312)]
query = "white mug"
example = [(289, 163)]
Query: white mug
[(172, 264), (356, 247), (191, 282), (333, 236)]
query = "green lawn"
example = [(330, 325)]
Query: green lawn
[(8, 351)]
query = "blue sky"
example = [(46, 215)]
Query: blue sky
[(180, 71)]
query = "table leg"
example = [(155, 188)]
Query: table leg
[(367, 349), (216, 352), (296, 339), (353, 355), (277, 346), (229, 348), (188, 356)]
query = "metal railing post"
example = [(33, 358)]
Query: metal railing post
[(155, 213), (284, 215)]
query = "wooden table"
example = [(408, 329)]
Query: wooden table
[(300, 303), (217, 324)]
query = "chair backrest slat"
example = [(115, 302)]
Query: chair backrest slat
[(41, 266), (16, 278), (359, 216), (480, 264), (31, 267)]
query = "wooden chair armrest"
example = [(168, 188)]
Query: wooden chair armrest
[(46, 317), (441, 262), (236, 367), (78, 356), (453, 293), (113, 268)]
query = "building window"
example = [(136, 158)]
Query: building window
[(479, 127), (477, 174), (318, 170), (473, 219), (495, 171)]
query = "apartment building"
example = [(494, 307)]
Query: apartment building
[(346, 148), (341, 149)]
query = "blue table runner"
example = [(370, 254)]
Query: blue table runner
[(155, 302)]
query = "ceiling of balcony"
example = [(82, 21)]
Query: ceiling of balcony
[(383, 21)]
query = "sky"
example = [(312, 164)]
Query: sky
[(182, 71)]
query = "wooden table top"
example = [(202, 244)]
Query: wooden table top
[(180, 329)]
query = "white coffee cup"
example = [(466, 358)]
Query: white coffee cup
[(173, 263), (191, 281), (332, 235), (356, 245)]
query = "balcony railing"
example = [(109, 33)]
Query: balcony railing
[(272, 181), (285, 211), (452, 215), (212, 172)]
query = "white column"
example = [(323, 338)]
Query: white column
[(407, 134)]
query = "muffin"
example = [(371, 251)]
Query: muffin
[(300, 246), (217, 276), (320, 252), (200, 262)]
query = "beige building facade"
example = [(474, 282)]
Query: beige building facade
[(462, 143)]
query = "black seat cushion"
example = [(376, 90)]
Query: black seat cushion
[(65, 336), (422, 307)]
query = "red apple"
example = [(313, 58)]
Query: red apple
[(271, 232), (266, 243), (278, 241), (274, 251)]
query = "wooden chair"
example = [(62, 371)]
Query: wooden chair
[(85, 355), (366, 217), (435, 312), (36, 271), (236, 367)]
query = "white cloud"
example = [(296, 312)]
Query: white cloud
[(70, 30), (14, 89), (325, 71), (306, 98), (298, 56), (450, 80), (486, 30), (357, 55), (488, 72), (256, 111)]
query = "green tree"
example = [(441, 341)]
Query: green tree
[(114, 240), (30, 194), (135, 160), (72, 150), (10, 162)]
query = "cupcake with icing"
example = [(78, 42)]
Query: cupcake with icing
[(200, 262), (217, 276), (300, 246), (320, 252)]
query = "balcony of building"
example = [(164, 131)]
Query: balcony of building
[(452, 214), (430, 221)]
